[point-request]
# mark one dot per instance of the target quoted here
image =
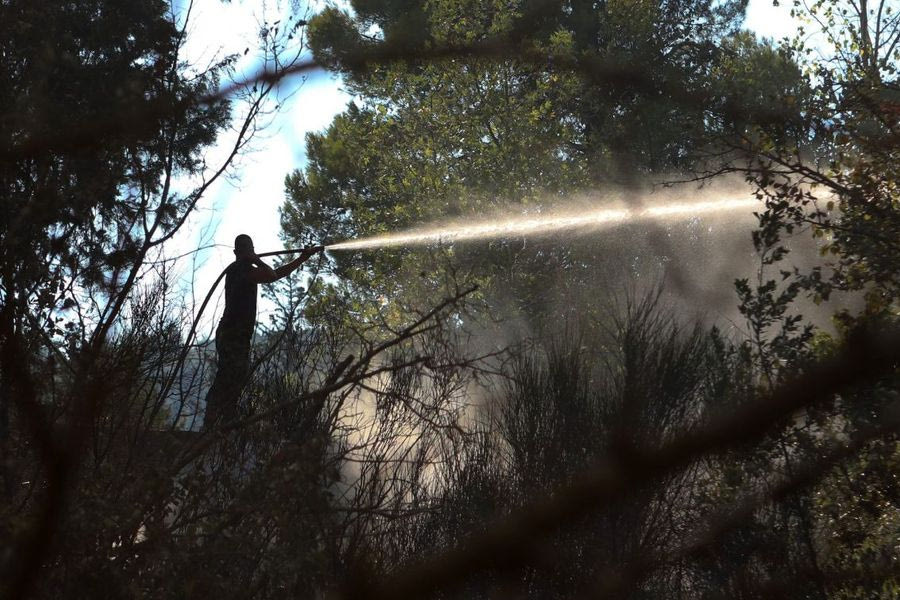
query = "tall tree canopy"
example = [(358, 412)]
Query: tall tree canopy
[(837, 176), (92, 192), (572, 97)]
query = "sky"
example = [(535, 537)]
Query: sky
[(248, 201)]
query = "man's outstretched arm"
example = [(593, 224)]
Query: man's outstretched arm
[(266, 274), (288, 268)]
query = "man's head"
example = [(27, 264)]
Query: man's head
[(243, 247)]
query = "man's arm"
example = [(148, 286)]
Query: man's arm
[(266, 274)]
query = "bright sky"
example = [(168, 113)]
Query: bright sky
[(249, 200)]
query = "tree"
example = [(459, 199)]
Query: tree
[(81, 218), (833, 177), (521, 126), (101, 129)]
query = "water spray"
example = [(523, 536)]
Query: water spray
[(541, 224)]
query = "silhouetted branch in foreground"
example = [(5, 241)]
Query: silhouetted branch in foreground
[(24, 561), (509, 543), (788, 585), (625, 74), (617, 582), (347, 373)]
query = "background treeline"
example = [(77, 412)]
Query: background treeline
[(503, 419)]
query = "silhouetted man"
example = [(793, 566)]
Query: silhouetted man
[(235, 329)]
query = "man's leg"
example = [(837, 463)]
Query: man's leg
[(233, 354)]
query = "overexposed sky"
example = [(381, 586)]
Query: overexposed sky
[(769, 21), (248, 201)]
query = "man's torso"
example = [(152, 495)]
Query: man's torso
[(240, 298)]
